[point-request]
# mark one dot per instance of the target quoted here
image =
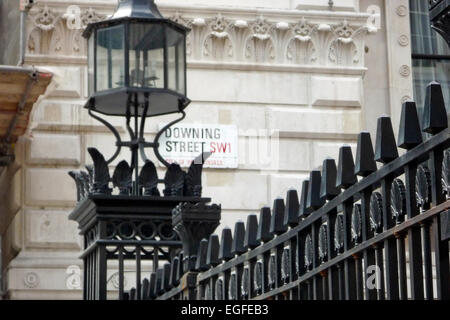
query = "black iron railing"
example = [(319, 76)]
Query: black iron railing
[(347, 237)]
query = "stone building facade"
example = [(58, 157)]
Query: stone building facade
[(308, 74)]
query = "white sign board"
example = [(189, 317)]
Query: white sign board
[(182, 143)]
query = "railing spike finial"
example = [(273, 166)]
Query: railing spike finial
[(238, 247), (314, 200), (277, 221), (148, 179), (225, 245), (346, 176), (122, 178), (303, 210), (251, 232), (101, 172), (264, 234), (76, 177), (328, 188), (434, 113), (385, 145), (212, 258), (409, 134), (365, 158), (201, 264), (291, 210), (174, 180)]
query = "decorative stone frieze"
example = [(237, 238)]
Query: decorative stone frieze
[(248, 36)]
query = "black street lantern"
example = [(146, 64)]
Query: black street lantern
[(137, 69), (137, 62)]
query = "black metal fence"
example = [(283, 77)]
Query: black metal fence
[(344, 237)]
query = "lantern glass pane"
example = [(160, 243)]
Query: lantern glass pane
[(176, 54), (110, 58), (91, 64), (146, 55)]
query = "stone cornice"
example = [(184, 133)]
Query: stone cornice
[(246, 36)]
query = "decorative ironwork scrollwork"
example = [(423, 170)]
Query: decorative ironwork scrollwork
[(398, 200), (308, 252), (423, 187), (258, 277), (376, 212), (122, 178), (356, 223), (208, 292), (323, 242), (219, 289), (339, 233), (446, 173), (272, 271), (232, 287), (285, 264), (245, 285)]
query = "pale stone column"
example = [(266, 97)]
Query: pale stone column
[(399, 56)]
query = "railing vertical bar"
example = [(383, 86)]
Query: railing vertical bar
[(227, 275), (333, 277), (96, 264), (266, 258), (102, 273), (441, 261), (317, 281), (102, 263), (359, 278), (333, 284), (121, 273), (349, 264), (324, 286), (366, 234), (441, 247), (390, 244), (92, 275), (85, 279), (426, 240), (278, 263), (156, 259), (303, 288), (380, 277), (293, 294), (138, 273), (341, 281), (414, 235), (88, 277), (310, 290), (212, 286), (303, 291), (402, 267)]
